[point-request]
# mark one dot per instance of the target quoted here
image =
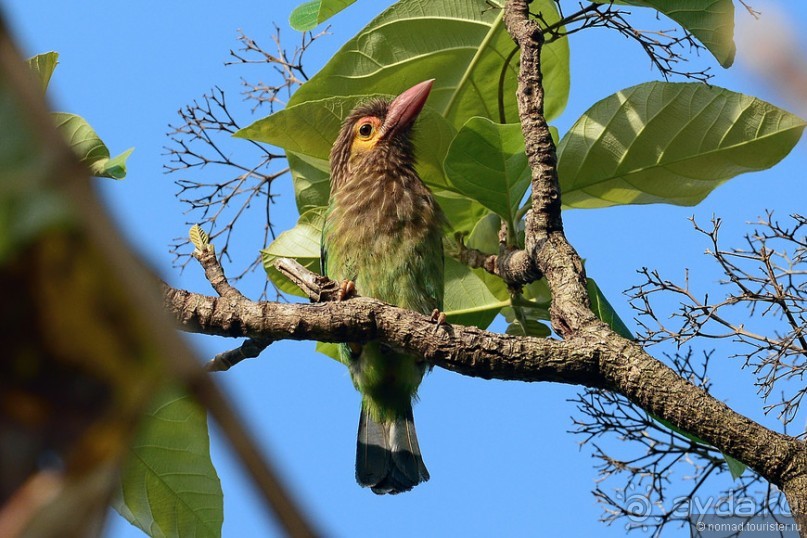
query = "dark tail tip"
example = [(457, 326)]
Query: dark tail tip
[(388, 456)]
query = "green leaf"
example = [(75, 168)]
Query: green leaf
[(486, 162), (736, 467), (531, 328), (485, 235), (673, 143), (89, 148), (526, 320), (42, 65), (604, 310), (309, 129), (301, 243), (329, 349), (462, 213), (463, 44), (710, 21), (169, 486), (312, 181), (468, 301), (307, 16)]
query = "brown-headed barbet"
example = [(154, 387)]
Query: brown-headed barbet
[(383, 232)]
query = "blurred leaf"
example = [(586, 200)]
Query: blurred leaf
[(604, 310), (462, 44), (468, 301), (486, 162), (42, 65), (312, 185), (736, 467), (301, 243), (669, 142), (89, 148), (710, 21), (89, 338), (169, 487), (309, 130), (309, 15)]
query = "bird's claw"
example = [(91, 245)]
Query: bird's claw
[(439, 318), (346, 289)]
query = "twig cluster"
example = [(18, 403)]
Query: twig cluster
[(202, 138), (288, 68), (763, 312), (649, 496), (199, 142), (665, 48)]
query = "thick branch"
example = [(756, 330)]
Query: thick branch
[(604, 362), (467, 350), (544, 238)]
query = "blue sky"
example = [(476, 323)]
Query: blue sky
[(499, 455)]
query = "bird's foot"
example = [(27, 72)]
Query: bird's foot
[(439, 318), (346, 289)]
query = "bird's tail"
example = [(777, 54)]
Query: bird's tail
[(388, 457)]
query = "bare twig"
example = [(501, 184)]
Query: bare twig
[(288, 67), (763, 312)]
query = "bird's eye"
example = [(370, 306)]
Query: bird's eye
[(366, 129)]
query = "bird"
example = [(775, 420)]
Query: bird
[(382, 234)]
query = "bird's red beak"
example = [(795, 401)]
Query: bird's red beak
[(405, 108)]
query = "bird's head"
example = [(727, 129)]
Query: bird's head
[(376, 135)]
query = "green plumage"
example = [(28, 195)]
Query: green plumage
[(383, 231)]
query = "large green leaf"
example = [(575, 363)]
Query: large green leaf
[(308, 129), (710, 21), (42, 65), (89, 148), (301, 243), (462, 44), (468, 301), (671, 143), (308, 15), (169, 486), (486, 162), (312, 185), (525, 322)]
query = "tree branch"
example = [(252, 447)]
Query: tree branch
[(607, 362), (466, 350)]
